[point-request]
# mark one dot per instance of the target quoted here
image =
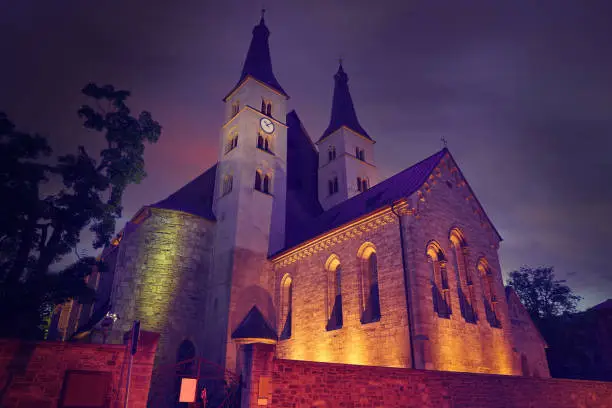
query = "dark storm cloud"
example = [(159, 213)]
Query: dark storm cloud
[(521, 90)]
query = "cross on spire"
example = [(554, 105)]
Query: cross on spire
[(444, 142), (263, 12)]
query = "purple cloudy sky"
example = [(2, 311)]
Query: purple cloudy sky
[(522, 91)]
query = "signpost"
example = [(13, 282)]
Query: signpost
[(133, 350)]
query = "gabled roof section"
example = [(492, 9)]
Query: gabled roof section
[(258, 63), (254, 326), (343, 110), (401, 185), (195, 197)]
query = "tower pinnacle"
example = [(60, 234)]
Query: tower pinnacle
[(258, 64), (343, 112)]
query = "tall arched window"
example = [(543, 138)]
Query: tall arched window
[(266, 184), (269, 109), (330, 187), (260, 141), (286, 302), (439, 280), (369, 296), (228, 182), (489, 293), (465, 287), (267, 144), (335, 184), (334, 293), (332, 153), (235, 108), (258, 180), (364, 184)]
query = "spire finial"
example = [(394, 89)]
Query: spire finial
[(444, 142), (263, 12)]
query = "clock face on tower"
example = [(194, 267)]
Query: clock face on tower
[(266, 125)]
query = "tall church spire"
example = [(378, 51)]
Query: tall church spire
[(258, 64), (343, 111)]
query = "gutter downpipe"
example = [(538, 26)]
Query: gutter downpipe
[(407, 289)]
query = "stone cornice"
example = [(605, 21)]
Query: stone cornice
[(358, 227)]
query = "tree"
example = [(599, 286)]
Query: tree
[(542, 294), (37, 230)]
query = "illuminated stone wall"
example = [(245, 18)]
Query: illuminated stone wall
[(444, 203), (161, 279), (385, 342), (310, 384), (453, 344)]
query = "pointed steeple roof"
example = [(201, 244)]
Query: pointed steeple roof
[(343, 111), (258, 64)]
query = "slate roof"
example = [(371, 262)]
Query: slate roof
[(195, 197), (401, 185), (258, 63), (254, 326), (343, 110)]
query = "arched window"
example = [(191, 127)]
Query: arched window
[(266, 107), (335, 184), (258, 180), (260, 141), (439, 280), (364, 184), (369, 296), (330, 187), (232, 141), (286, 302), (489, 293), (263, 106), (267, 144), (359, 184), (266, 184), (269, 109), (334, 293), (465, 287), (235, 108), (332, 153), (360, 154), (228, 182)]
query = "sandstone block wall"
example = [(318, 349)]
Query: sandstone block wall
[(303, 384), (385, 342), (446, 202), (161, 279), (32, 374)]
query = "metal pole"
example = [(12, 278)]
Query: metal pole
[(133, 347), (129, 375)]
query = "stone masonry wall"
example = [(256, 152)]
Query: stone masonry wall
[(443, 203), (303, 384), (32, 374), (161, 279), (385, 342)]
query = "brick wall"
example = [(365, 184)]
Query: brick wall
[(32, 374), (308, 384)]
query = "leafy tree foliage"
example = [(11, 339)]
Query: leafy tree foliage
[(37, 230), (542, 294)]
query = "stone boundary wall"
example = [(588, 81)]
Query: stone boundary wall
[(308, 384), (32, 373)]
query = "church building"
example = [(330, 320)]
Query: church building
[(302, 245)]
